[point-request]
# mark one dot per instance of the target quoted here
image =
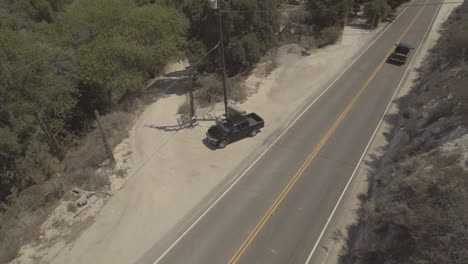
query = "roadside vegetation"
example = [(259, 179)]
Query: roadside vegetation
[(62, 59), (416, 208)]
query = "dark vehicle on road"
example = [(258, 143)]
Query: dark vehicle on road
[(235, 128), (400, 54)]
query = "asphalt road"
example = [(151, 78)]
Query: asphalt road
[(277, 211)]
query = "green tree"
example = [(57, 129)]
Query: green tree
[(395, 3), (23, 14), (328, 13), (32, 80), (177, 4), (61, 60), (36, 102), (119, 45), (250, 28), (377, 10)]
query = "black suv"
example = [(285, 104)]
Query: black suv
[(234, 128)]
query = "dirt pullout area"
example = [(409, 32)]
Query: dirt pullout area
[(398, 201), (166, 171)]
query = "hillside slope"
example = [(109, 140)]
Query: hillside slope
[(416, 210)]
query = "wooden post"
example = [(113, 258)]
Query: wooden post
[(345, 19), (104, 140), (345, 22), (191, 101), (373, 19)]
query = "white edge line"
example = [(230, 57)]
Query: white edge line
[(271, 145), (370, 141)]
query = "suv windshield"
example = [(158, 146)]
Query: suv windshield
[(402, 49), (225, 125)]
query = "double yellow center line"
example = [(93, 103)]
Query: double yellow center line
[(314, 153)]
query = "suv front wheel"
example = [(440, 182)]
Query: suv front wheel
[(222, 144)]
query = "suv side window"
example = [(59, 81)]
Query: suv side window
[(235, 128)]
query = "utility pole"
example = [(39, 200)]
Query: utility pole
[(214, 5), (104, 140)]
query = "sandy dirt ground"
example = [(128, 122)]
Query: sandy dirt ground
[(169, 170), (335, 239)]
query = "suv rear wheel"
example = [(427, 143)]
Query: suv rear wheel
[(253, 132)]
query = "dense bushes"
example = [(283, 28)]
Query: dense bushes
[(89, 55), (36, 100), (328, 13), (24, 14), (118, 45), (376, 11)]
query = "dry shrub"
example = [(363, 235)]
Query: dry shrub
[(268, 64), (305, 35), (420, 216), (21, 221), (72, 208), (270, 67), (91, 152), (329, 36), (9, 248), (238, 91), (459, 92), (184, 108), (88, 179), (89, 157), (210, 90)]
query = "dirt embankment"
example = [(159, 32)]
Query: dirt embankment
[(416, 210)]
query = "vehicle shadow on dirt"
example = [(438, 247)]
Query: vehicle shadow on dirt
[(208, 144)]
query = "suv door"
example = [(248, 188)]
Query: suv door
[(244, 129), (236, 132)]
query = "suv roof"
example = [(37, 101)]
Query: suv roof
[(404, 45), (236, 119), (403, 48)]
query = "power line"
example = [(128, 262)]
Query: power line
[(232, 11), (327, 9), (192, 68)]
